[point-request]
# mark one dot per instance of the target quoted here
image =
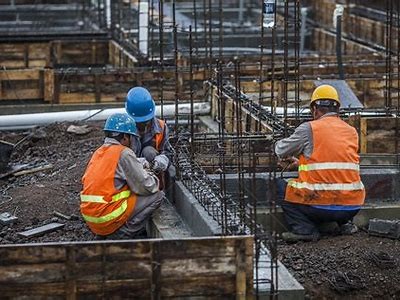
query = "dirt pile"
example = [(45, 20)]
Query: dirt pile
[(34, 197), (346, 267)]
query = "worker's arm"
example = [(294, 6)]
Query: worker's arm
[(299, 142), (131, 170), (165, 156), (166, 148)]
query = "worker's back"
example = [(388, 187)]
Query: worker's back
[(331, 175)]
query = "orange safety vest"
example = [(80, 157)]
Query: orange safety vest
[(331, 176), (159, 137), (103, 207)]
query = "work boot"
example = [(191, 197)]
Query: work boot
[(348, 229), (292, 237), (329, 228)]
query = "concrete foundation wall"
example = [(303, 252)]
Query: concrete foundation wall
[(382, 185)]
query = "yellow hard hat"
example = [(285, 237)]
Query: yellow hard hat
[(325, 92)]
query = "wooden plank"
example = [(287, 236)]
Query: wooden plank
[(28, 74), (97, 80), (70, 276), (48, 83), (363, 135), (241, 271), (203, 266), (41, 230), (25, 254), (76, 98), (156, 268), (20, 94), (121, 268), (18, 290), (195, 286), (33, 273), (115, 252)]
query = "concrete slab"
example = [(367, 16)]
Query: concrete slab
[(167, 224), (385, 228), (382, 185), (193, 214), (289, 288)]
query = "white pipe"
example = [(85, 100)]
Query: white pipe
[(144, 27), (24, 121), (108, 13)]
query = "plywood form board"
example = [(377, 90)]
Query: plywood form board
[(80, 52), (207, 267), (21, 84), (377, 134)]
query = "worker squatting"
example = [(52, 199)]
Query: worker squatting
[(125, 178)]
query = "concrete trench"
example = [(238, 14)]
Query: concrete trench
[(183, 216)]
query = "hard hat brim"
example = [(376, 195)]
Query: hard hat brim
[(145, 118)]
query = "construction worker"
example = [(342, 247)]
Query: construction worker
[(153, 143), (118, 194), (329, 188)]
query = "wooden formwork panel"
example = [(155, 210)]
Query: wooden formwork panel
[(80, 52), (48, 54), (208, 267), (24, 55), (21, 84), (325, 41), (377, 134), (119, 57)]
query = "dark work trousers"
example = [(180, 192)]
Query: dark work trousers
[(304, 219)]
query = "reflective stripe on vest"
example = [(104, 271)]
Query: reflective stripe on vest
[(327, 186), (329, 166), (115, 214), (100, 199)]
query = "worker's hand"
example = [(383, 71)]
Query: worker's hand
[(289, 163), (144, 162), (160, 163)]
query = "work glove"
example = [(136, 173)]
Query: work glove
[(160, 163), (144, 162)]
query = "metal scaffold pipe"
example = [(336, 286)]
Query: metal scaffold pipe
[(24, 121)]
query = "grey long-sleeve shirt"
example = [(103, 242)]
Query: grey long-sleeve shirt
[(130, 171), (166, 149), (300, 142)]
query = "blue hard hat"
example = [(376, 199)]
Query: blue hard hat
[(140, 105), (120, 123)]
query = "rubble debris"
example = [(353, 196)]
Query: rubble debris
[(343, 282), (5, 153), (13, 169), (384, 228), (79, 130), (6, 218), (41, 230), (381, 259), (33, 170), (63, 216)]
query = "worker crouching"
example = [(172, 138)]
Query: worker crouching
[(153, 138), (118, 195), (329, 188)]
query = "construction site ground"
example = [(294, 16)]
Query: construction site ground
[(352, 267)]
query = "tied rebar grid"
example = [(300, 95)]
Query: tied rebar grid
[(279, 127), (392, 52), (233, 218)]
